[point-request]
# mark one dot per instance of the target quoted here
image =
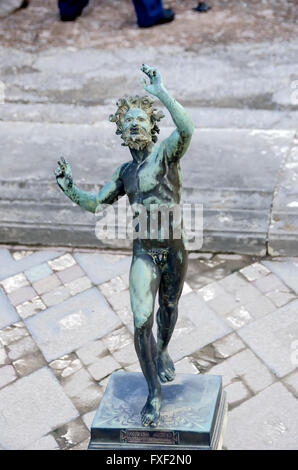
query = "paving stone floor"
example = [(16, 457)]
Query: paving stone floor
[(66, 325)]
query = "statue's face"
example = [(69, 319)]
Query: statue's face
[(136, 129)]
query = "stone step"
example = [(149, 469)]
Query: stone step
[(233, 76), (233, 173), (203, 117)]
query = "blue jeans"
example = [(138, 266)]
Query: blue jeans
[(148, 11), (71, 7)]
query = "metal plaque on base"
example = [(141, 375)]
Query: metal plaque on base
[(193, 414)]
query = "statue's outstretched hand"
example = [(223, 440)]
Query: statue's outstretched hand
[(155, 86), (63, 174)]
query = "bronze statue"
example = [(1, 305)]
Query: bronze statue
[(152, 178)]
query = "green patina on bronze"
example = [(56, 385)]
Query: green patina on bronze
[(153, 176)]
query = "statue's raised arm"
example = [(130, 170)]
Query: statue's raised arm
[(177, 143)]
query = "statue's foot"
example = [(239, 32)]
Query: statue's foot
[(150, 412), (165, 367)]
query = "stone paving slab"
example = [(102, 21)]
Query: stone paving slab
[(31, 407), (238, 300), (7, 313), (292, 381), (246, 367), (45, 443), (272, 338), (285, 270), (60, 329), (101, 268), (196, 326), (10, 266), (267, 421)]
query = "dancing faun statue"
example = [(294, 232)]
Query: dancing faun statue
[(152, 178)]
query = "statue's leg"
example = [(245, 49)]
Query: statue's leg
[(143, 284), (170, 290)]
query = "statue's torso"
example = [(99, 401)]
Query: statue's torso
[(155, 180)]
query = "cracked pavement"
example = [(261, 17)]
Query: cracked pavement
[(66, 325)]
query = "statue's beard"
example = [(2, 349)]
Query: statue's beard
[(139, 140)]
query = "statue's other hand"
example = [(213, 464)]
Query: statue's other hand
[(155, 85), (63, 174)]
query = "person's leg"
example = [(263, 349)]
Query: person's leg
[(170, 290), (71, 9), (151, 12), (143, 284)]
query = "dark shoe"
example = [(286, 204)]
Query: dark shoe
[(71, 9), (166, 17), (25, 4), (202, 7), (69, 17)]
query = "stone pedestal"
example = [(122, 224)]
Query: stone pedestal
[(193, 413)]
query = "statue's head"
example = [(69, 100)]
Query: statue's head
[(136, 121)]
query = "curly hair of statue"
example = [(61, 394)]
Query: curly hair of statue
[(144, 103)]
